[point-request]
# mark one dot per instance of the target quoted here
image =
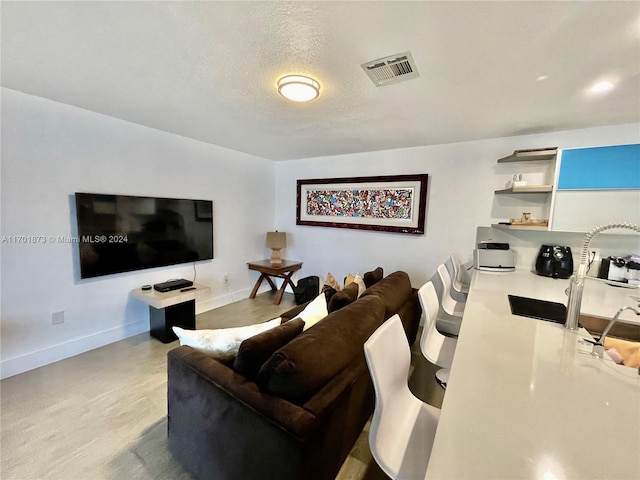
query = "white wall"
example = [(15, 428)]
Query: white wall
[(51, 150), (462, 179), (584, 209)]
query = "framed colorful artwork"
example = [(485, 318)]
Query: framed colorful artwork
[(391, 203)]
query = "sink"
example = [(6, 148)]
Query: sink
[(540, 309), (624, 337), (628, 350), (595, 326)]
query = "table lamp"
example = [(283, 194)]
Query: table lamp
[(275, 241)]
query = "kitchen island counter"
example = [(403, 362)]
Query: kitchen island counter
[(525, 398)]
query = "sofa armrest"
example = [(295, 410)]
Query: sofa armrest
[(222, 426), (289, 416)]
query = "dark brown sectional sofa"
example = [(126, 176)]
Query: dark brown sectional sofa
[(301, 415)]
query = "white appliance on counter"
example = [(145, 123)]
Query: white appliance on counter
[(621, 269), (494, 257)]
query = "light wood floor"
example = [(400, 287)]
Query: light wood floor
[(102, 414)]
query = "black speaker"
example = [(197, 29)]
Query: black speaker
[(307, 289)]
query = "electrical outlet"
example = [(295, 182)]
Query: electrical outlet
[(593, 260), (57, 318)]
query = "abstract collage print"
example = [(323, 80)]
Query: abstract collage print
[(392, 203)]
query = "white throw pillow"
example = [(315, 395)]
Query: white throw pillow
[(222, 343), (314, 312), (360, 282)]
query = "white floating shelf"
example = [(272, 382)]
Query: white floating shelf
[(519, 227), (527, 189), (530, 155)]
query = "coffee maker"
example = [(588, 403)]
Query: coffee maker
[(554, 261)]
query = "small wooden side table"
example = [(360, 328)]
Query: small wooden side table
[(285, 270)]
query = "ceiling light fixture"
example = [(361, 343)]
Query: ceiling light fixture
[(298, 88), (601, 86)]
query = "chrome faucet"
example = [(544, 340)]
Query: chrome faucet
[(576, 282), (598, 346)]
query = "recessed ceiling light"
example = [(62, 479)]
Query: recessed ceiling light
[(601, 86), (298, 88), (542, 78)]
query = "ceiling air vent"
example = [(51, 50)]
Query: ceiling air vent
[(392, 69)]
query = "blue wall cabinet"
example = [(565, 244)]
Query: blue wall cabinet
[(600, 168)]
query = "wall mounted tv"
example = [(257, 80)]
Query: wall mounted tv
[(122, 233)]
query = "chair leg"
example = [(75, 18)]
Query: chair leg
[(442, 377)]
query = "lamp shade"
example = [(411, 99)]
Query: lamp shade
[(276, 239)]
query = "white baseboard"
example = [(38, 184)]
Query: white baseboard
[(29, 361), (226, 299), (55, 353)]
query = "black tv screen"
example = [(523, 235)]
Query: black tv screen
[(122, 233)]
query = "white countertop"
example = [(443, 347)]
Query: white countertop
[(525, 400)]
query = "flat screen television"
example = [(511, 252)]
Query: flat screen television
[(123, 233)]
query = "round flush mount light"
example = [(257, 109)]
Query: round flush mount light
[(298, 88)]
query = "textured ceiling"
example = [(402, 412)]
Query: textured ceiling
[(208, 70)]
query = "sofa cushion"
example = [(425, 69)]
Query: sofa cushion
[(328, 292), (343, 298), (254, 351), (373, 277), (394, 290), (309, 361)]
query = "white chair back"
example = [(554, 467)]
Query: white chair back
[(456, 276), (403, 427), (436, 347), (448, 304)]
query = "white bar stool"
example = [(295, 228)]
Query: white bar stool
[(436, 347), (455, 268), (403, 426), (451, 310)]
